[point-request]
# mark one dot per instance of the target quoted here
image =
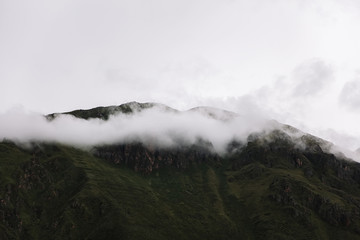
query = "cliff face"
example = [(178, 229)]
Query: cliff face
[(312, 182), (146, 159)]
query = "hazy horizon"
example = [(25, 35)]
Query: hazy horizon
[(293, 61)]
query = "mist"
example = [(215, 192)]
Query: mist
[(158, 126), (155, 126)]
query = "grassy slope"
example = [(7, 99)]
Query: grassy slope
[(72, 195)]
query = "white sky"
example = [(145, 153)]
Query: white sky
[(297, 61)]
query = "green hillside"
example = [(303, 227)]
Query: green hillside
[(59, 192), (265, 188)]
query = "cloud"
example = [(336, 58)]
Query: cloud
[(116, 50), (311, 77), (153, 126), (65, 55), (157, 127), (350, 95), (343, 140)]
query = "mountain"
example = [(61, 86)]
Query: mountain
[(279, 184), (105, 112)]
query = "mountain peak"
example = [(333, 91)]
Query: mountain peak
[(105, 112)]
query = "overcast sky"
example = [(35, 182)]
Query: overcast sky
[(296, 61)]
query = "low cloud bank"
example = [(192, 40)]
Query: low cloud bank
[(154, 126)]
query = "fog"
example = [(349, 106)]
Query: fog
[(158, 126), (250, 57), (155, 126)]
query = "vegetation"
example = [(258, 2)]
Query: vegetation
[(60, 192), (267, 188)]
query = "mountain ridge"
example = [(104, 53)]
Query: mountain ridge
[(134, 107)]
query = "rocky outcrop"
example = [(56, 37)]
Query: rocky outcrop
[(145, 159), (302, 201), (323, 190)]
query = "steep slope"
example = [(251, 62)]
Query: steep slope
[(276, 185)]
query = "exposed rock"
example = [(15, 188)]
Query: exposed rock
[(146, 159)]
